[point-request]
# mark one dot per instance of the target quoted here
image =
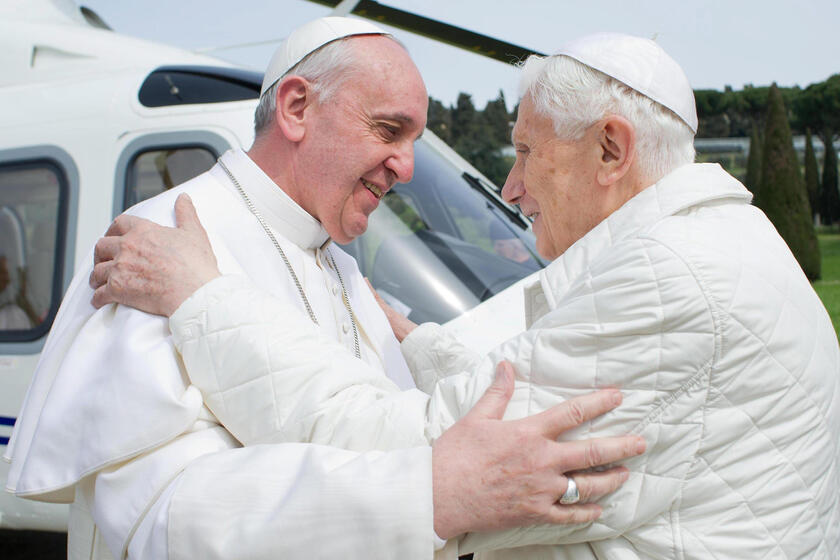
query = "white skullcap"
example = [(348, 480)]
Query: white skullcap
[(310, 37), (640, 64)]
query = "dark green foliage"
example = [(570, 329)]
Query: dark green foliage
[(753, 178), (829, 196), (466, 128), (710, 101), (782, 193), (732, 113), (818, 107), (497, 120), (439, 120), (478, 136), (812, 175), (712, 110)]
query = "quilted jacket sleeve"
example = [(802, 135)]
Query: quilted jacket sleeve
[(638, 319), (432, 355), (270, 375)]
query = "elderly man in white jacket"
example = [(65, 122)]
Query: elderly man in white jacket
[(665, 282)]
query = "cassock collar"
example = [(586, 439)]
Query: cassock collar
[(277, 208)]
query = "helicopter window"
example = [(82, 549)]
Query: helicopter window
[(153, 171), (439, 245), (32, 229), (194, 84)]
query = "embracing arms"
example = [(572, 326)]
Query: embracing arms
[(530, 443)]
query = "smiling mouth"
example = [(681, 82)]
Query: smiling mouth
[(377, 192)]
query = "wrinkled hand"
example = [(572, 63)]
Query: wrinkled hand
[(151, 267), (400, 324), (490, 474)]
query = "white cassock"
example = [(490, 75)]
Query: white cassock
[(111, 423)]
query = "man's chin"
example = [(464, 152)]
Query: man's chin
[(349, 233), (546, 250)]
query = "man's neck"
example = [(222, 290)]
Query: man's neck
[(273, 160), (626, 188)]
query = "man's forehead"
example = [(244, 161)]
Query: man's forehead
[(380, 53), (388, 79)]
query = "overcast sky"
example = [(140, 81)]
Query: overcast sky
[(718, 42)]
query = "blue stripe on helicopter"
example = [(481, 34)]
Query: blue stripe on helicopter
[(6, 421)]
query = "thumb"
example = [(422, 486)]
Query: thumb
[(185, 215), (494, 401)]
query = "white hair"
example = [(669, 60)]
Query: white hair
[(576, 96), (326, 68)]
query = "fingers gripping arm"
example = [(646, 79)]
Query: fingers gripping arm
[(152, 267)]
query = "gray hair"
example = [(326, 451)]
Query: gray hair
[(326, 68), (576, 96)]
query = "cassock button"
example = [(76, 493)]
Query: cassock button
[(345, 327)]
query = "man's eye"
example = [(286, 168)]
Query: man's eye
[(389, 131)]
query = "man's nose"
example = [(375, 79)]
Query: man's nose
[(401, 162), (514, 186)]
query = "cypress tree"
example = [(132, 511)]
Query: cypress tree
[(829, 196), (781, 193), (466, 126), (812, 174), (497, 121), (753, 178)]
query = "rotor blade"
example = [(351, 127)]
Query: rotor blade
[(438, 30)]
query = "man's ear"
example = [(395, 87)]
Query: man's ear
[(294, 97), (617, 142)]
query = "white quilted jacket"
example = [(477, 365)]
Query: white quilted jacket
[(686, 298)]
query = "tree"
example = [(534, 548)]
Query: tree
[(473, 138), (465, 126), (439, 120), (829, 196), (497, 120), (782, 193), (733, 113), (818, 107), (812, 175), (745, 108), (711, 113), (753, 178)]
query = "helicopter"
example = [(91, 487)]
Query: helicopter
[(93, 122)]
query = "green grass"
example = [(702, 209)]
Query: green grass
[(828, 287)]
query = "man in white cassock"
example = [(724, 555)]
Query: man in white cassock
[(112, 424), (665, 281)]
